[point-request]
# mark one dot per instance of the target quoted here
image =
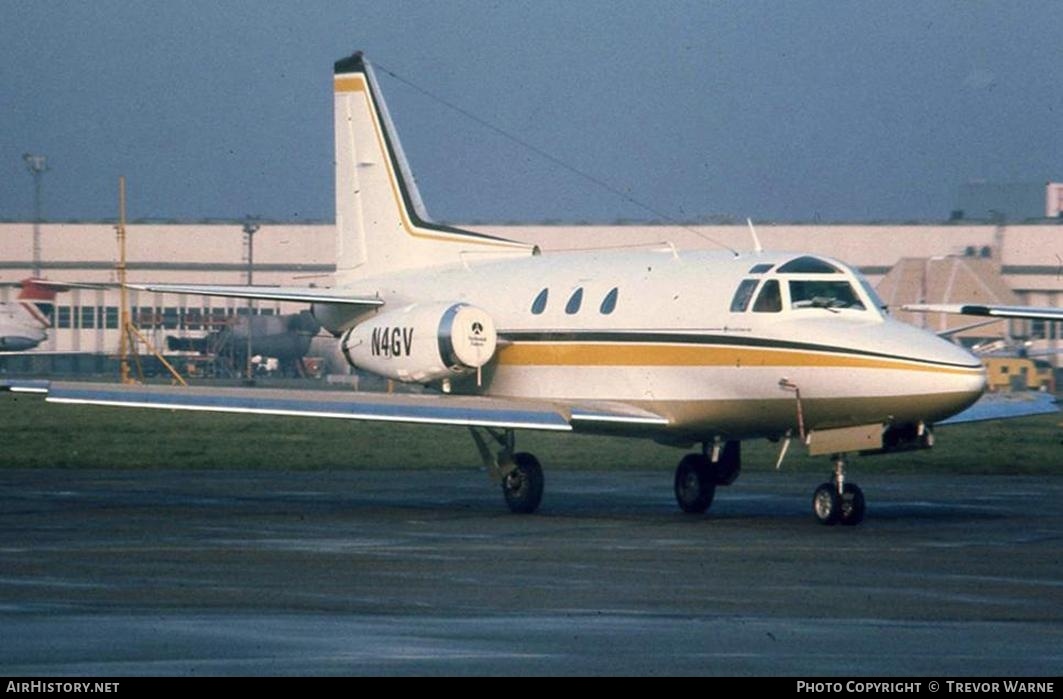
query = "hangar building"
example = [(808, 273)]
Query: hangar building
[(1026, 259)]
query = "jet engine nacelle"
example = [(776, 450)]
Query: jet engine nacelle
[(423, 342)]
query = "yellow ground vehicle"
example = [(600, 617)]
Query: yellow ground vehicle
[(1019, 374)]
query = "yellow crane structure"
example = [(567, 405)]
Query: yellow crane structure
[(130, 333)]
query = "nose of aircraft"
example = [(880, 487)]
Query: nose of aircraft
[(962, 379), (944, 378), (20, 343)]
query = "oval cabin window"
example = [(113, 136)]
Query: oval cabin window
[(539, 304), (574, 302), (609, 302)]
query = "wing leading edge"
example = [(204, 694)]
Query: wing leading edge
[(972, 309), (266, 293), (1006, 405), (432, 409)]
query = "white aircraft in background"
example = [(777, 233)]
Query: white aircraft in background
[(24, 322), (684, 348), (988, 311)]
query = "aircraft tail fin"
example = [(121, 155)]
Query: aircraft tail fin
[(37, 297), (381, 222)]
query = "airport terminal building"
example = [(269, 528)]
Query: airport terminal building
[(1025, 260)]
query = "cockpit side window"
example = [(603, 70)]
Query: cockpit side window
[(872, 294), (770, 298), (820, 293), (743, 295)]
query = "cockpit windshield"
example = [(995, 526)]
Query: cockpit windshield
[(802, 283), (823, 294)]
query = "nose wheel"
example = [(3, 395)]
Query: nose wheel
[(838, 502)]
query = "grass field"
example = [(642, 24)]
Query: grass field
[(34, 434)]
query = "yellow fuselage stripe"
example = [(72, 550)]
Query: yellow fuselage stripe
[(594, 354)]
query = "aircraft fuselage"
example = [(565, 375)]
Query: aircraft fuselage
[(19, 330), (672, 333)]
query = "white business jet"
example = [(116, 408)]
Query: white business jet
[(24, 322), (686, 348)]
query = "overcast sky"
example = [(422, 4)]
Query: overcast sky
[(801, 110)]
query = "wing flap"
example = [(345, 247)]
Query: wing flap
[(616, 414)]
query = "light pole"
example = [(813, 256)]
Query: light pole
[(250, 228), (37, 166)]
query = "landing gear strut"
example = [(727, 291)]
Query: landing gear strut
[(838, 502), (520, 474)]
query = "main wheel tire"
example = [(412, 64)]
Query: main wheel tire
[(695, 483), (853, 505), (523, 486), (826, 505)]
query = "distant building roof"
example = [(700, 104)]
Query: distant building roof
[(942, 280), (990, 201)]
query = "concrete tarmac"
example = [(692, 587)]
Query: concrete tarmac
[(426, 572)]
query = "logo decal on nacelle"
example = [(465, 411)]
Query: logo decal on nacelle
[(477, 339), (391, 342)]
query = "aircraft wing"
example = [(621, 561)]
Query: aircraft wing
[(1001, 406), (433, 409), (972, 309), (64, 286), (42, 353), (266, 293)]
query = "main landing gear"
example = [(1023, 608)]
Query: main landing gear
[(838, 502), (520, 474), (696, 478), (695, 483), (697, 475), (522, 484)]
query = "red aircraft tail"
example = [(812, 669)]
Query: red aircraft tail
[(38, 298)]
